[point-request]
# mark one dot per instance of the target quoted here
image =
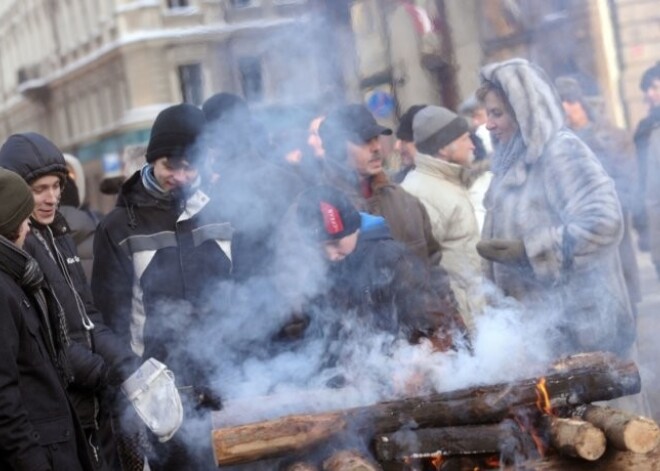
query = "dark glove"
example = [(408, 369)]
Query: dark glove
[(509, 251), (206, 398)]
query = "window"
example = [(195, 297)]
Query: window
[(241, 3), (178, 3), (251, 81), (190, 78)]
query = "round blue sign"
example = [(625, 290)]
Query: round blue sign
[(381, 104)]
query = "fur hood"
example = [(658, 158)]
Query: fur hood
[(534, 100)]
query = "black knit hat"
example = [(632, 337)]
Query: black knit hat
[(17, 202), (405, 129), (326, 213), (174, 131), (651, 74)]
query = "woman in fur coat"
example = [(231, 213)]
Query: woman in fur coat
[(553, 222)]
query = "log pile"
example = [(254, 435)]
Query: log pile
[(500, 424)]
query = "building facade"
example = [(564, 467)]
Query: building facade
[(93, 74)]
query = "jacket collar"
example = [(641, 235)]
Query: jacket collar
[(440, 168)]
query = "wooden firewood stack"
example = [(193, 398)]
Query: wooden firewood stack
[(473, 428)]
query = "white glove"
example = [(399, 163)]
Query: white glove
[(153, 393)]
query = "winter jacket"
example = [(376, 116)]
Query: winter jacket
[(647, 139), (82, 225), (38, 427), (155, 260), (96, 355), (615, 151), (384, 286), (559, 201), (405, 215), (254, 194), (646, 149), (443, 189)]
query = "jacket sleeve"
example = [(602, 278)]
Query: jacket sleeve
[(17, 435), (432, 245), (112, 288), (587, 214)]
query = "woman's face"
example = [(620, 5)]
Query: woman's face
[(499, 121)]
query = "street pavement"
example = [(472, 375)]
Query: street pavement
[(648, 331)]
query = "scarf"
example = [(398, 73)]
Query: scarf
[(25, 271), (505, 155), (179, 195)]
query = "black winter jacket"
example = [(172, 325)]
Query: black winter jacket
[(154, 260), (38, 428), (97, 357)]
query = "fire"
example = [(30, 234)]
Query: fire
[(437, 460), (493, 462), (543, 398)]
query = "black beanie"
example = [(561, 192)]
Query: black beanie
[(326, 213), (17, 202), (175, 130), (405, 129)]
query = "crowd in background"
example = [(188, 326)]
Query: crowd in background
[(527, 192)]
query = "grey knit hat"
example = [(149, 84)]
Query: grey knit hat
[(434, 127), (17, 201)]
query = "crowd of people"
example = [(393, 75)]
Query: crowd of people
[(527, 191)]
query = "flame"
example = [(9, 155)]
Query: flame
[(493, 462), (543, 398), (437, 460)]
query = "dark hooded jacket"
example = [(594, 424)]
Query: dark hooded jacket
[(95, 354), (153, 261), (38, 427), (387, 287)]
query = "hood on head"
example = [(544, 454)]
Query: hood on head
[(533, 98), (32, 156)]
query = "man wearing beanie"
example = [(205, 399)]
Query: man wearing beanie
[(39, 429), (95, 354), (354, 163), (155, 254), (441, 181), (405, 143), (374, 276)]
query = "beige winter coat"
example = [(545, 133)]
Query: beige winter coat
[(442, 188)]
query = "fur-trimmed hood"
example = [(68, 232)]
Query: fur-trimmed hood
[(534, 100)]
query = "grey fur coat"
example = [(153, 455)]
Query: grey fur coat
[(559, 201)]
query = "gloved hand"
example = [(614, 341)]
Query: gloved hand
[(508, 251)]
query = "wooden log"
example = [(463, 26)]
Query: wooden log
[(411, 444), (625, 431), (612, 460), (267, 439), (580, 380), (577, 438), (301, 466), (349, 460)]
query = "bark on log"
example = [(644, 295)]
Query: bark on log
[(349, 460), (625, 431), (448, 441), (580, 380), (577, 438), (613, 460), (274, 438)]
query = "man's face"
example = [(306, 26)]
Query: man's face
[(366, 159), (407, 151), (460, 152), (653, 93), (174, 173), (337, 250), (47, 191)]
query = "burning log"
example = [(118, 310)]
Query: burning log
[(612, 460), (301, 466), (577, 438), (625, 431), (581, 379)]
